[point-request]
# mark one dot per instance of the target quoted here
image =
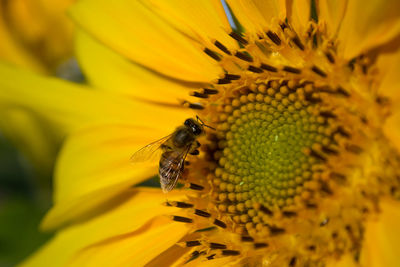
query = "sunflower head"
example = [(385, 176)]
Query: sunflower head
[(298, 159)]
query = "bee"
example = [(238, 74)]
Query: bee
[(174, 149)]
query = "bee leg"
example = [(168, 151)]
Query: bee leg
[(194, 152)]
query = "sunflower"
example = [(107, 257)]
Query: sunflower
[(302, 168)]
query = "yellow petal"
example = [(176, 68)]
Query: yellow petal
[(257, 15), (136, 32), (134, 210), (391, 128), (382, 237), (135, 249), (331, 12), (202, 20), (388, 65), (13, 51), (298, 14), (367, 25), (69, 106), (109, 71), (32, 136), (94, 166)]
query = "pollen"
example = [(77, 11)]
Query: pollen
[(297, 160)]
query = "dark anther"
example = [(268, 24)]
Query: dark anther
[(265, 210), (194, 152), (219, 223), (274, 37), (329, 150), (327, 114), (228, 252), (338, 176), (268, 67), (211, 257), (291, 70), (193, 243), (223, 81), (202, 213), (182, 219), (325, 188), (247, 238), (311, 205), (183, 205), (318, 71), (198, 94), (276, 230), (312, 248), (238, 38), (222, 48), (343, 132), (212, 54), (205, 229), (254, 69), (314, 154), (194, 256), (196, 187), (292, 262), (309, 97), (330, 57), (342, 91), (324, 222), (283, 26), (260, 245), (217, 246), (354, 149), (289, 214), (210, 91), (192, 105), (298, 43), (244, 56), (232, 76)]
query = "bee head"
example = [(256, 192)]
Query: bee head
[(194, 126)]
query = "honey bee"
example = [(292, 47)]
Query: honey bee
[(174, 149)]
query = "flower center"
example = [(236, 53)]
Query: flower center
[(267, 138), (297, 159)]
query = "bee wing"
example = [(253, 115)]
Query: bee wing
[(148, 153), (172, 169)]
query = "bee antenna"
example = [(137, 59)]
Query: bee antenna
[(203, 124)]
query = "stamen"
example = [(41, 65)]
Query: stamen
[(318, 71), (219, 223), (202, 213), (232, 76), (182, 219), (274, 37), (292, 262), (198, 94), (298, 43), (268, 67), (194, 243), (254, 69), (244, 56), (223, 81), (212, 54), (291, 70), (238, 38), (210, 91), (222, 48), (330, 57), (260, 245), (196, 106), (229, 252), (247, 239), (217, 246), (196, 187)]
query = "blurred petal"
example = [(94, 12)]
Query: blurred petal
[(135, 249), (382, 237), (298, 13), (133, 212), (256, 15), (368, 24), (389, 69), (109, 71), (125, 27), (391, 128), (94, 165), (202, 20), (332, 13)]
